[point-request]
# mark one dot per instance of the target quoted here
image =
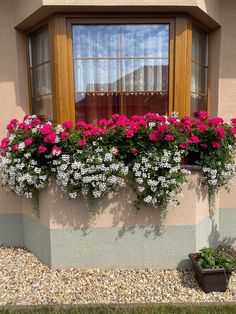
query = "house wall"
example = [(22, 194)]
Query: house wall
[(114, 230)]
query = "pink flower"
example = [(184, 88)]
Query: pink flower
[(216, 145), (215, 121), (194, 139), (169, 137), (105, 122), (64, 135), (28, 141), (4, 143), (22, 125), (26, 117), (220, 133), (183, 146), (14, 121), (56, 151), (134, 150), (3, 153), (67, 125), (172, 120), (51, 138), (201, 115), (115, 116), (36, 121), (153, 136), (129, 134), (233, 121), (81, 124), (28, 126), (82, 142), (117, 153), (87, 133), (232, 130), (15, 147), (46, 129), (10, 126), (42, 149), (202, 128)]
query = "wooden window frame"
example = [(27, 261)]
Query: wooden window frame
[(61, 56)]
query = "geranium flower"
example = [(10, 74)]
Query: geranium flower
[(169, 137), (56, 151), (82, 142), (4, 143), (183, 146), (134, 150), (46, 129), (64, 135), (129, 134), (220, 133), (232, 130), (215, 121), (15, 147), (216, 145), (202, 128), (28, 141), (51, 138), (67, 125), (42, 149)]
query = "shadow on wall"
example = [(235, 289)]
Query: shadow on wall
[(113, 210), (214, 238), (13, 67)]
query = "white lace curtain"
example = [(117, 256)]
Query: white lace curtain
[(121, 58)]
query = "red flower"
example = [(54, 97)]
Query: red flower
[(64, 135), (87, 133), (67, 125), (3, 153), (215, 121), (82, 142), (56, 151), (216, 145), (42, 149), (28, 141), (169, 137), (13, 121), (201, 115), (134, 150), (232, 130), (117, 152), (202, 128), (51, 138), (153, 136), (15, 147), (36, 121), (46, 129), (220, 133), (183, 146), (129, 134), (194, 139), (4, 143)]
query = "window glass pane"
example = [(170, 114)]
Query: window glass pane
[(145, 75), (97, 75), (198, 102), (40, 72), (41, 78), (92, 107), (198, 79), (200, 46), (120, 66), (141, 103), (199, 70), (96, 41), (39, 47), (42, 106), (145, 41)]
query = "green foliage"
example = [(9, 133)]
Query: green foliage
[(209, 258)]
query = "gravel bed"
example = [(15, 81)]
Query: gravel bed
[(24, 280)]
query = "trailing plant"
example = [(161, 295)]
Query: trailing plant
[(90, 160)]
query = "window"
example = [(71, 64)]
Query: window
[(120, 68), (40, 73), (199, 74), (104, 65)]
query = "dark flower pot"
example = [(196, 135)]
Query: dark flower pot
[(210, 279)]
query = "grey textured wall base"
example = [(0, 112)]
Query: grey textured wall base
[(227, 222), (132, 247), (11, 230)]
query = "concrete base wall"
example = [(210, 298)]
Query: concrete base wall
[(132, 247)]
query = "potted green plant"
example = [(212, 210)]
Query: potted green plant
[(212, 269)]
